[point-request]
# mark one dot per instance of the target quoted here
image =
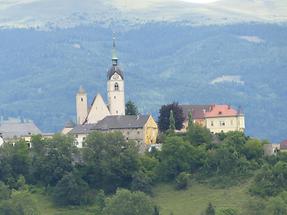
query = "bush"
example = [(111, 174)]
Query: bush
[(182, 181), (5, 192), (72, 190), (125, 202)]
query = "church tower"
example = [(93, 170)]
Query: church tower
[(115, 86), (82, 106)]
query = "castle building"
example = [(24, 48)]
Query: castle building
[(111, 117), (217, 118)]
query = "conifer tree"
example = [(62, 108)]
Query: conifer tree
[(190, 120), (171, 121), (210, 209)]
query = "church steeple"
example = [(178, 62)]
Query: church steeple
[(114, 53)]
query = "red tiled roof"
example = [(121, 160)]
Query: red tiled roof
[(196, 110), (283, 144), (221, 111)]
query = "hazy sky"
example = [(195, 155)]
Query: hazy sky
[(200, 1)]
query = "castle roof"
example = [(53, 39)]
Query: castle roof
[(196, 110), (113, 122), (122, 122)]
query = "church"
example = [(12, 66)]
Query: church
[(111, 117)]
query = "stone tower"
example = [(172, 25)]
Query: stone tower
[(82, 105), (115, 86)]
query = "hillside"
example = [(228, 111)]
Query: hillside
[(47, 14), (243, 65), (188, 202)]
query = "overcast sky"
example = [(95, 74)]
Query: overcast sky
[(200, 1)]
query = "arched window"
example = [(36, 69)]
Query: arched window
[(116, 87)]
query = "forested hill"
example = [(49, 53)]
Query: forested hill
[(242, 65)]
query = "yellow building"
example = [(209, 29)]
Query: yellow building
[(217, 118)]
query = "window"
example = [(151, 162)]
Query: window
[(116, 87), (82, 99), (212, 123), (231, 122), (222, 123)]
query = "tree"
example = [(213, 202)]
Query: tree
[(210, 209), (164, 115), (131, 108), (176, 156), (20, 203), (182, 180), (253, 149), (190, 120), (109, 161), (141, 182), (199, 135), (5, 192), (54, 160), (71, 190), (125, 202), (171, 122)]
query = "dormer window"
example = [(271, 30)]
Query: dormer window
[(220, 113), (116, 87)]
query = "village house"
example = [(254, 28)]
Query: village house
[(217, 118)]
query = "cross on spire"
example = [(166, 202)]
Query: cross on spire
[(114, 52)]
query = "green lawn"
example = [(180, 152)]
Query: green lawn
[(46, 207), (188, 202), (194, 200)]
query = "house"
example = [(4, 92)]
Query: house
[(11, 130), (217, 118), (142, 129)]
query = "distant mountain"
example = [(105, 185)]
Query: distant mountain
[(243, 65), (229, 51), (47, 14)]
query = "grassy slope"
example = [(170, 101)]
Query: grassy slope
[(189, 202), (46, 207), (194, 200)]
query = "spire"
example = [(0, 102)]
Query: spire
[(81, 90), (114, 52)]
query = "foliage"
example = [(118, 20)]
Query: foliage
[(5, 192), (53, 160), (270, 180), (228, 211), (210, 209), (182, 181), (20, 203), (198, 134), (141, 182), (72, 190), (125, 202), (164, 116), (176, 156), (131, 108), (109, 161), (171, 121)]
